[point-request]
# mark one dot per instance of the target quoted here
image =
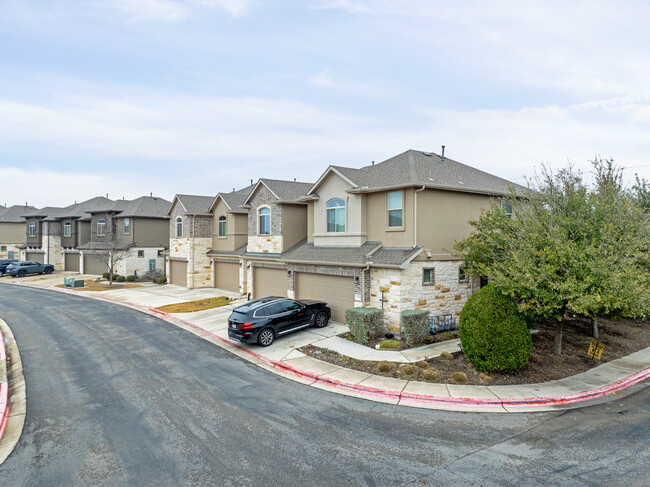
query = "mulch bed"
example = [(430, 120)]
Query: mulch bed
[(620, 338), (438, 338)]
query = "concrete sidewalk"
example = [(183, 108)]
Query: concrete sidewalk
[(283, 358)]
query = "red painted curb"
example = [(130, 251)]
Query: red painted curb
[(4, 389), (408, 397)]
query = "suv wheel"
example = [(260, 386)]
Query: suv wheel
[(21, 273), (321, 319), (48, 270), (266, 337)]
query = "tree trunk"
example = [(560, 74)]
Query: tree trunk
[(557, 343), (594, 327)]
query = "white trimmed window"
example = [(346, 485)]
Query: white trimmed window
[(179, 227), (101, 227), (395, 209), (222, 226), (32, 229), (336, 215), (265, 221), (67, 229), (140, 253), (127, 226)]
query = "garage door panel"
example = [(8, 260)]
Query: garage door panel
[(226, 276), (94, 265), (71, 262), (178, 272), (269, 282), (36, 257), (336, 291)]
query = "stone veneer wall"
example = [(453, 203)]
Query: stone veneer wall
[(132, 263), (4, 254), (265, 244), (199, 264), (403, 289), (53, 249)]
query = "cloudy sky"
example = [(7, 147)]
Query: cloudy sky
[(128, 97)]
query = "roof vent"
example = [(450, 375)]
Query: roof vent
[(373, 163), (460, 182), (251, 182), (428, 154), (294, 180)]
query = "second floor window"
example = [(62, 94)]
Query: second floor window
[(101, 228), (222, 226), (336, 215), (67, 229), (265, 221), (32, 229), (506, 204), (127, 226), (395, 209), (179, 227)]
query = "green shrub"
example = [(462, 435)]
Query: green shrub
[(423, 364), (160, 280), (365, 323), (106, 275), (430, 374), (459, 377), (409, 370), (130, 278), (390, 344), (415, 326), (115, 276), (120, 278), (446, 356), (384, 367), (493, 334)]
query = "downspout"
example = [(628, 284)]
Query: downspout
[(192, 243), (415, 215)]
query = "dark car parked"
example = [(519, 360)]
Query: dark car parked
[(3, 265), (29, 267), (262, 320)]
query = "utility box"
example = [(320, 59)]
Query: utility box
[(71, 282)]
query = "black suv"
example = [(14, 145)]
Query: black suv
[(3, 265), (264, 319)]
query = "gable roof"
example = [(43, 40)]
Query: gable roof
[(193, 204), (234, 200), (418, 168), (283, 191), (13, 214), (144, 206)]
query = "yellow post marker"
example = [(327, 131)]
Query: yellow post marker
[(595, 349)]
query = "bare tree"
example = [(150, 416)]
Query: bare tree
[(107, 246)]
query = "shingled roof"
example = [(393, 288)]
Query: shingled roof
[(235, 199), (370, 253), (193, 204), (418, 168), (284, 191), (14, 214)]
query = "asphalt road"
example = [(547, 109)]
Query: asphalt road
[(117, 397)]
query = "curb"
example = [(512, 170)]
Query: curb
[(405, 398), (4, 388)]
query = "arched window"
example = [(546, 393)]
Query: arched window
[(222, 226), (336, 215), (101, 228), (265, 221), (179, 227), (32, 229), (67, 229)]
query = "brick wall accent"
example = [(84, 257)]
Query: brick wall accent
[(263, 197)]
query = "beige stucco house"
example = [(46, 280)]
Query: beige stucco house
[(12, 230)]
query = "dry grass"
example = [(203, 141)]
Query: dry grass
[(198, 305), (102, 286)]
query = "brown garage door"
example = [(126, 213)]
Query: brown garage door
[(72, 262), (226, 275), (36, 257), (269, 282), (336, 291), (94, 265), (178, 272)]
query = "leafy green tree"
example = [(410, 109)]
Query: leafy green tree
[(565, 247)]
